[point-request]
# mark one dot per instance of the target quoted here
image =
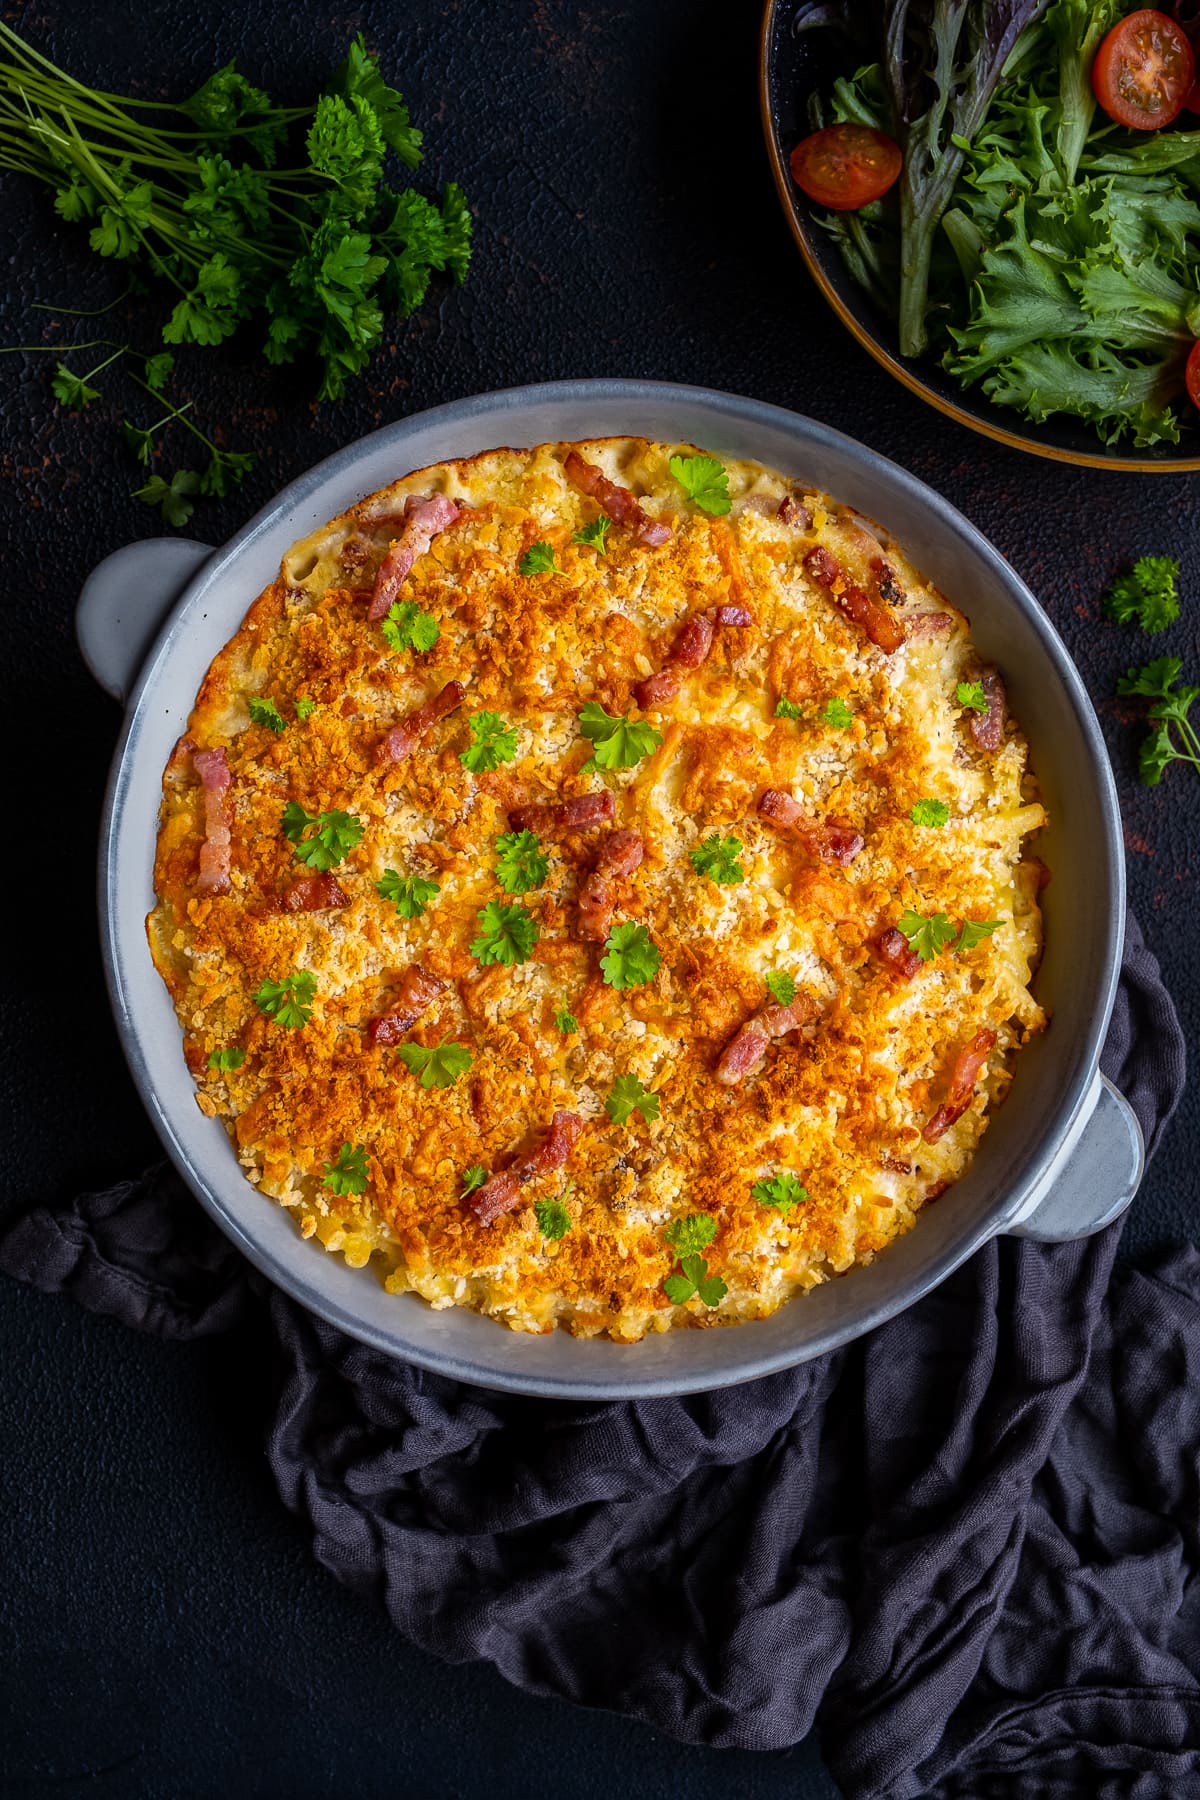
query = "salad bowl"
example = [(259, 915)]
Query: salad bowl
[(792, 67)]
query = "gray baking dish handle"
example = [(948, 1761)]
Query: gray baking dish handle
[(126, 600), (1095, 1175)]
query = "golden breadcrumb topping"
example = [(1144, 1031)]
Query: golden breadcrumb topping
[(840, 1103)]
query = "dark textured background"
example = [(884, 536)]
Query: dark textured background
[(163, 1630)]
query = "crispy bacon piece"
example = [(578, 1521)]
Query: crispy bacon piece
[(893, 947), (821, 566), (403, 738), (617, 501), (216, 850), (963, 1077), (313, 893), (500, 1193), (620, 854), (746, 1051), (832, 841), (794, 512), (987, 728), (926, 623), (875, 620), (657, 689), (415, 993), (550, 818), (694, 640), (424, 516), (691, 647)]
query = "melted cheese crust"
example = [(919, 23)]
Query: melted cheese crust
[(840, 1104)]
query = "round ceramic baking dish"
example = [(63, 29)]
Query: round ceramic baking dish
[(1063, 1155)]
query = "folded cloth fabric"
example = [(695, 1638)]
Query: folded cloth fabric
[(966, 1547)]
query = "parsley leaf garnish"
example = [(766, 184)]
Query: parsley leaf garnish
[(507, 934), (616, 743), (157, 369), (473, 1178), (335, 836), (406, 627), (1155, 681), (554, 1221), (521, 863), (438, 1067), (538, 559), (1173, 739), (492, 743), (630, 959), (693, 1278), (305, 708), (289, 1002), (837, 714), (971, 695), (974, 931), (927, 936), (781, 986), (782, 1191), (787, 709), (71, 389), (1147, 597), (687, 1235), (717, 857), (629, 1096), (704, 480), (567, 1023), (224, 1060), (348, 1175), (225, 470), (595, 534), (265, 712), (930, 812), (174, 498), (411, 893)]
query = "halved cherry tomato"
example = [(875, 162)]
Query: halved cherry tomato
[(846, 166), (1193, 374), (1143, 71)]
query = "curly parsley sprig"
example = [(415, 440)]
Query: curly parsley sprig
[(1146, 596), (1172, 738)]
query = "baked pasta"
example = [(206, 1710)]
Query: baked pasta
[(593, 888)]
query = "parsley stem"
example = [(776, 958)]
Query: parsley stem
[(176, 414), (119, 351), (1190, 738), (79, 312), (56, 349)]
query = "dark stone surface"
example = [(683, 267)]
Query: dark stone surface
[(163, 1630)]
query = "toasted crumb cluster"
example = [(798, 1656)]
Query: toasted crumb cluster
[(841, 1104)]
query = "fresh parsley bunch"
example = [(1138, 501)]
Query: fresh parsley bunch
[(249, 211)]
